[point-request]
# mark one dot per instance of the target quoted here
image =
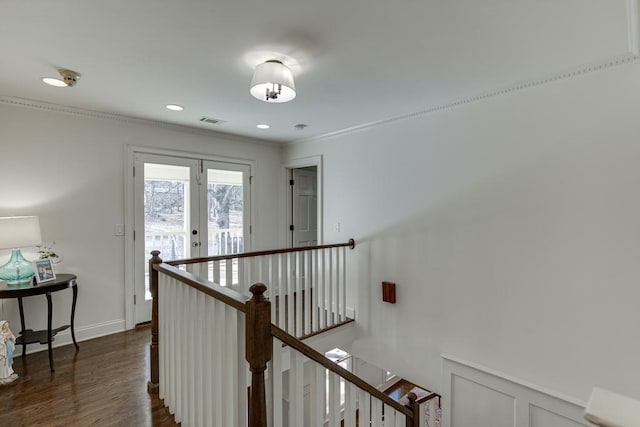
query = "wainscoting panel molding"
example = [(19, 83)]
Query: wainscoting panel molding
[(474, 396)]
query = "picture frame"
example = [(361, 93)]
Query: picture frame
[(44, 270)]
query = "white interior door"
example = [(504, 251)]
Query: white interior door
[(186, 208), (304, 206)]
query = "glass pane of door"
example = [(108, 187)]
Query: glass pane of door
[(167, 213), (226, 215)]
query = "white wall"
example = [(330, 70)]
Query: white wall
[(69, 170), (512, 229)]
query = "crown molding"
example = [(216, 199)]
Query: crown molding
[(81, 112), (515, 87)]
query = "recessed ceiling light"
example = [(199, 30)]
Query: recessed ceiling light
[(51, 81), (263, 126), (174, 107)]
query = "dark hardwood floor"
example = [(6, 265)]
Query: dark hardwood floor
[(103, 384)]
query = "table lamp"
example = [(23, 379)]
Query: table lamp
[(18, 232)]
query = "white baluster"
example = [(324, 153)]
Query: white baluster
[(349, 405), (272, 285), (331, 302), (202, 349), (318, 395), (296, 389), (180, 360), (242, 370), (290, 292), (193, 357), (209, 328), (334, 400), (293, 396), (219, 367), (216, 272), (323, 286), (308, 278), (376, 413), (401, 420), (282, 290), (363, 418), (172, 323), (276, 376), (315, 295), (162, 335), (228, 280), (299, 303), (343, 313), (231, 371)]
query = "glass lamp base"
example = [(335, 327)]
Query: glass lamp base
[(18, 270)]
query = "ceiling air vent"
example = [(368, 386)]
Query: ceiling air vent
[(211, 120)]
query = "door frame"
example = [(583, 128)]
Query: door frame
[(129, 213), (286, 176)]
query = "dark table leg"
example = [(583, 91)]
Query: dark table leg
[(49, 337), (24, 345), (73, 316)]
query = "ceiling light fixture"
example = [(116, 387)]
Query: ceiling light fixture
[(69, 79), (273, 82), (263, 126), (174, 107)]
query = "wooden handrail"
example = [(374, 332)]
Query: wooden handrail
[(317, 357), (225, 295), (350, 244), (427, 397)]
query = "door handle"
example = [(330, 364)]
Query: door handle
[(196, 244)]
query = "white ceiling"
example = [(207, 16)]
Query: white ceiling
[(355, 61)]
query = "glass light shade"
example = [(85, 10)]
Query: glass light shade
[(54, 82), (17, 232), (272, 76)]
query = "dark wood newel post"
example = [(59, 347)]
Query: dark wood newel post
[(415, 407), (154, 382), (259, 350)]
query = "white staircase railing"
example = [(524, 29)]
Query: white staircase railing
[(208, 340), (308, 285)]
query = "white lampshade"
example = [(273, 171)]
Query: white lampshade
[(19, 232), (273, 82)]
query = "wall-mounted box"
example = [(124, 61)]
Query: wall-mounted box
[(389, 292)]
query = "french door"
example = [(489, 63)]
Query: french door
[(185, 208)]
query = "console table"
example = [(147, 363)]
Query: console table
[(29, 336)]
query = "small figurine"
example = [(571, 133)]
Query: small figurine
[(7, 346)]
